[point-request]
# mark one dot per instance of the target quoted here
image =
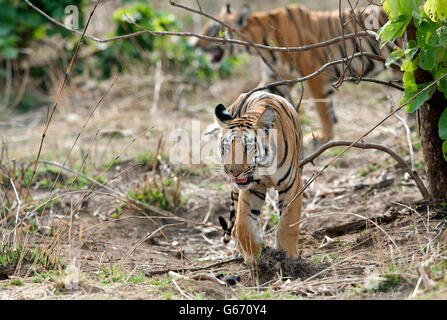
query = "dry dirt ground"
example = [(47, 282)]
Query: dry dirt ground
[(364, 232), (115, 250)]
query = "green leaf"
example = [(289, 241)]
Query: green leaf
[(444, 150), (416, 15), (436, 9), (38, 33), (409, 82), (441, 32), (442, 125), (394, 28), (412, 44), (410, 65), (419, 100), (9, 53), (407, 6), (5, 30), (426, 35), (392, 8), (394, 56), (442, 84), (427, 59)]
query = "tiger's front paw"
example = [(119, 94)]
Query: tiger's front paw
[(227, 231)]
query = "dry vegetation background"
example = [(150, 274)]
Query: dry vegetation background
[(150, 229)]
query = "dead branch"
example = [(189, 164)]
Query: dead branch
[(209, 277), (350, 227), (424, 273), (393, 154), (386, 83), (181, 269)]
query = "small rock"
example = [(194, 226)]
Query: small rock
[(232, 280)]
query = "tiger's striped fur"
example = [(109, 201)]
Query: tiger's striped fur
[(293, 26), (267, 139)]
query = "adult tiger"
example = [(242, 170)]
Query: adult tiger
[(261, 149), (296, 26)]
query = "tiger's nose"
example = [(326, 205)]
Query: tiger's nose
[(235, 174)]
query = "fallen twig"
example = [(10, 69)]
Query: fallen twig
[(424, 272), (205, 276), (349, 227), (181, 269)]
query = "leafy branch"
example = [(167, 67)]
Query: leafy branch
[(427, 51)]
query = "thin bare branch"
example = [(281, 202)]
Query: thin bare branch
[(334, 40), (407, 131), (379, 147), (386, 83), (292, 81)]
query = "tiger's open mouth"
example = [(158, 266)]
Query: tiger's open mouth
[(246, 180), (216, 54)]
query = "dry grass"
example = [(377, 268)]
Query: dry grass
[(91, 243), (84, 234)]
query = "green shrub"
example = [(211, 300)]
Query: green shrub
[(20, 24), (176, 53), (162, 192)]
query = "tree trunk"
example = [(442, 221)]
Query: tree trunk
[(430, 113), (435, 164)]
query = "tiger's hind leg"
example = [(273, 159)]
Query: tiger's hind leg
[(287, 232), (319, 92)]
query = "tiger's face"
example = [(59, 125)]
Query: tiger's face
[(217, 50), (243, 145), (238, 151)]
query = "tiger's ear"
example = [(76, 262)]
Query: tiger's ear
[(242, 17), (223, 117), (266, 120), (227, 9)]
